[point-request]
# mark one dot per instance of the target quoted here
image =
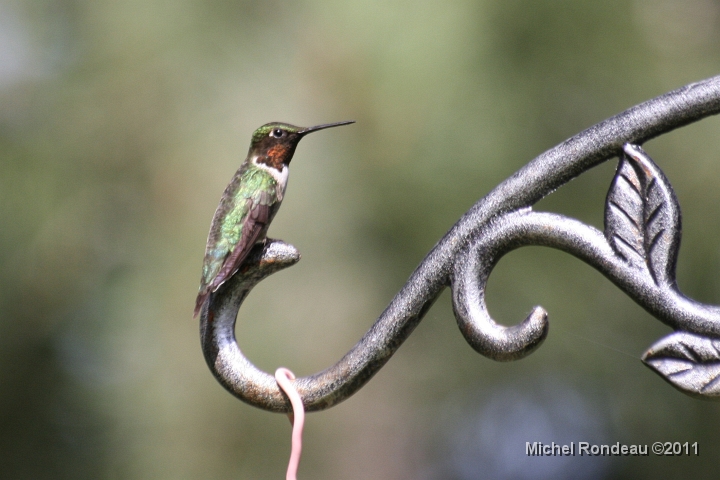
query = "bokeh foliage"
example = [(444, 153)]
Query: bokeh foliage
[(121, 123)]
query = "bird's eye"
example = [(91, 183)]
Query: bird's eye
[(277, 133)]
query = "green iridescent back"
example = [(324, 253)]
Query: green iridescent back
[(250, 183)]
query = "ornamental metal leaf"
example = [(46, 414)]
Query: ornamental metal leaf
[(689, 362), (624, 208), (642, 216)]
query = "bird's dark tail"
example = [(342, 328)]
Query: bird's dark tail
[(200, 300)]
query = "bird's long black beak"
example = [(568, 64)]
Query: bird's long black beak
[(307, 130)]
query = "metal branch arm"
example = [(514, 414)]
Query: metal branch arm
[(637, 252)]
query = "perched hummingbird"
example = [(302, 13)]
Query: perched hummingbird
[(250, 202)]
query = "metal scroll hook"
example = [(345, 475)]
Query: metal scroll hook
[(470, 275)]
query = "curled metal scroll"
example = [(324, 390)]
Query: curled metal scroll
[(637, 252)]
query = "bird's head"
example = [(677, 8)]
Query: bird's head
[(274, 143)]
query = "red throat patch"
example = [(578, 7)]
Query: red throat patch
[(276, 156)]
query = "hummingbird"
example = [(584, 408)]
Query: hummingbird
[(250, 202)]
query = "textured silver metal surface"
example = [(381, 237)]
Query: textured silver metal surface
[(637, 251)]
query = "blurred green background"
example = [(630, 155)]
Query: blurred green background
[(122, 122)]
